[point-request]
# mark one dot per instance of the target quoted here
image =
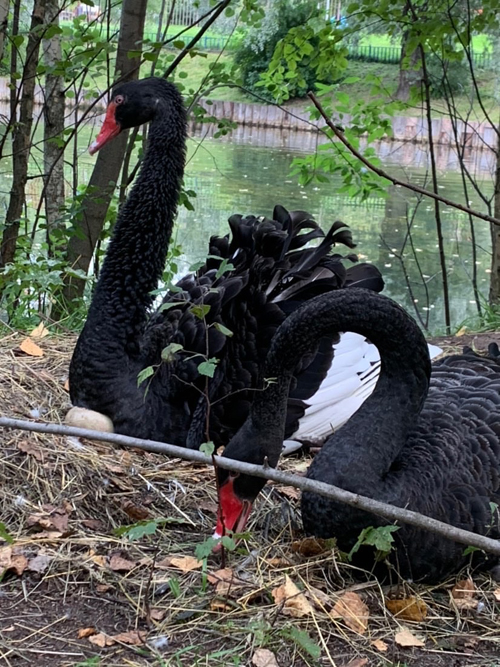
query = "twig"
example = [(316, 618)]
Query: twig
[(389, 512), (393, 179)]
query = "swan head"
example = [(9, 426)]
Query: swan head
[(134, 103)]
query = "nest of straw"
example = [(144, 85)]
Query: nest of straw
[(76, 591)]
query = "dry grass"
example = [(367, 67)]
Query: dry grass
[(61, 500)]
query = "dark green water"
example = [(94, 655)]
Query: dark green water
[(237, 176)]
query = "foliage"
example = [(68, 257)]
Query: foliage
[(258, 51), (380, 538)]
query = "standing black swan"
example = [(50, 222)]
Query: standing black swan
[(269, 272), (426, 443)]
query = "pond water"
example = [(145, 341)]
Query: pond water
[(248, 172)]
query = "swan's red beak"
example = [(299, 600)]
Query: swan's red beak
[(109, 130), (233, 512)]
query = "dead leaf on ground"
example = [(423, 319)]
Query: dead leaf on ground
[(30, 448), (224, 580), (98, 560), (380, 645), (40, 563), (101, 640), (158, 614), (405, 638), (133, 637), (103, 588), (50, 517), (353, 611), (264, 658), (9, 560), (318, 597), (358, 662), (30, 348), (496, 594), (86, 632), (183, 563), (135, 512), (311, 546), (220, 606), (66, 385), (408, 609), (39, 331), (294, 601), (208, 506), (463, 594), (118, 563), (93, 524), (290, 492)]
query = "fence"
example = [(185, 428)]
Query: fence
[(392, 54)]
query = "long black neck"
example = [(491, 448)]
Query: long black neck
[(136, 255), (378, 430)]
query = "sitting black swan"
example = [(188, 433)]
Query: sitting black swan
[(426, 443), (264, 272)]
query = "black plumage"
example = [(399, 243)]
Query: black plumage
[(429, 443), (251, 281)]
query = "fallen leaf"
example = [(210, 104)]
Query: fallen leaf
[(93, 524), (207, 506), (463, 594), (119, 564), (318, 597), (66, 385), (30, 348), (357, 662), (103, 588), (461, 331), (10, 560), (40, 563), (98, 560), (380, 645), (294, 601), (5, 558), (18, 563), (30, 448), (408, 609), (405, 638), (353, 611), (264, 658), (49, 518), (224, 580), (40, 331), (311, 546), (220, 606), (290, 492), (133, 637), (86, 632), (135, 512), (101, 640), (278, 562), (157, 614), (185, 563), (496, 594)]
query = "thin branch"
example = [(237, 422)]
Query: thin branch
[(389, 512), (409, 186)]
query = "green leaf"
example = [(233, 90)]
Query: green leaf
[(208, 367), (179, 44), (224, 330), (204, 549), (144, 375), (182, 75), (138, 530), (470, 550), (167, 306), (200, 310), (167, 354), (228, 543), (304, 641), (381, 538), (207, 448), (4, 534)]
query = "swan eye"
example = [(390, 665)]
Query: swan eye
[(119, 99)]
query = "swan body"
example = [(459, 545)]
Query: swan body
[(429, 443), (252, 280)]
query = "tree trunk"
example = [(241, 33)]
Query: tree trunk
[(21, 138), (495, 235), (409, 74), (54, 111), (109, 160), (4, 13)]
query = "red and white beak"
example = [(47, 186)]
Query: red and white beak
[(109, 130), (233, 512)]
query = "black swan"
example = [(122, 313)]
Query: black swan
[(264, 272), (426, 443)]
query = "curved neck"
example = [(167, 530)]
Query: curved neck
[(389, 412), (136, 255)]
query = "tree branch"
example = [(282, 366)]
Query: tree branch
[(389, 512), (409, 186)]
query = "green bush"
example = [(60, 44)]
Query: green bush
[(255, 52), (448, 76)]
